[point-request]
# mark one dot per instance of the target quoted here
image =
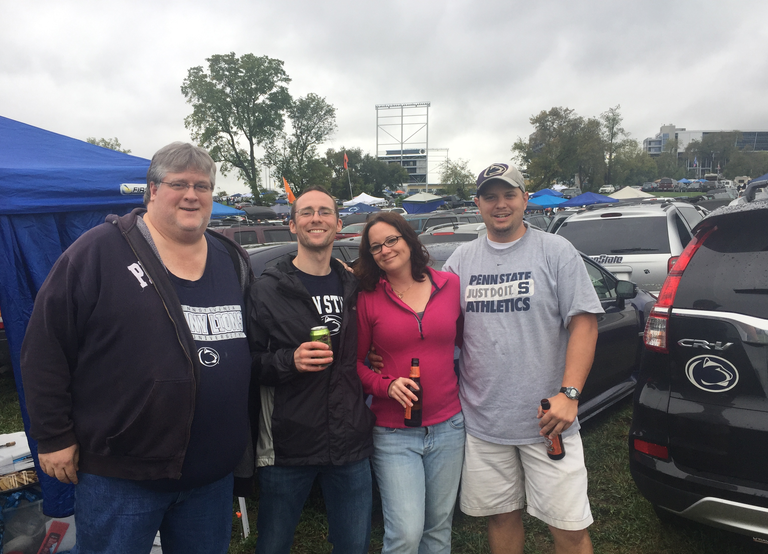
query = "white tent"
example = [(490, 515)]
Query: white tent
[(366, 199), (629, 192), (421, 197)]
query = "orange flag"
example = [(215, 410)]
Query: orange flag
[(346, 161), (289, 192)]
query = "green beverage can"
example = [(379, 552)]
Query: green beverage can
[(321, 334)]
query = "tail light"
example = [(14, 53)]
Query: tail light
[(656, 328), (652, 449), (671, 262)]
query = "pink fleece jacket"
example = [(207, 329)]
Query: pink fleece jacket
[(387, 323)]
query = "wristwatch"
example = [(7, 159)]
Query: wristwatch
[(571, 392)]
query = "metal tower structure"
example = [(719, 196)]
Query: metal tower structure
[(402, 136)]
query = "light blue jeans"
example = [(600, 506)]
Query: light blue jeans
[(418, 471)]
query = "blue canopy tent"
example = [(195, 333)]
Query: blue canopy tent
[(359, 208), (547, 201), (586, 199), (52, 189), (422, 203), (220, 210), (546, 192)]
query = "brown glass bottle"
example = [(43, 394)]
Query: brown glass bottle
[(555, 448), (413, 413)]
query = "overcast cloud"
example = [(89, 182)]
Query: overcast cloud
[(87, 68)]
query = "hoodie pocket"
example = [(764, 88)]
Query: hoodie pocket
[(159, 427)]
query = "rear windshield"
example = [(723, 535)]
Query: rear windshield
[(729, 272), (620, 235)]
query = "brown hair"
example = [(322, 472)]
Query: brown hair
[(366, 268)]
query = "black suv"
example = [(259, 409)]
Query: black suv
[(698, 445)]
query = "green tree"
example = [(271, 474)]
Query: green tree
[(378, 175), (632, 166), (712, 150), (340, 180), (615, 138), (313, 120), (456, 178), (112, 144), (563, 146), (238, 105), (745, 162)]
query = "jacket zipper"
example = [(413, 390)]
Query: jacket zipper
[(183, 348)]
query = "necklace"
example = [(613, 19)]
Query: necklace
[(400, 294)]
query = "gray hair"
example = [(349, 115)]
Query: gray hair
[(178, 157)]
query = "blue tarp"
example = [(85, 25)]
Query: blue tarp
[(52, 189), (220, 210)]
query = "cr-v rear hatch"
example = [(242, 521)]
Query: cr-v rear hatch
[(718, 353)]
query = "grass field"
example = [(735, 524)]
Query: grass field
[(625, 522)]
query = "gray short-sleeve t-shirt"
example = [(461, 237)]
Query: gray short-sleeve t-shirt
[(517, 304)]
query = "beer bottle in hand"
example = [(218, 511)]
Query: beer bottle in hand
[(555, 448), (413, 413)]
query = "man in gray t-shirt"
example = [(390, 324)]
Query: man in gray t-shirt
[(529, 333)]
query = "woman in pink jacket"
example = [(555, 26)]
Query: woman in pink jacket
[(408, 310)]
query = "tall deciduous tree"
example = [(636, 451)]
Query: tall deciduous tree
[(364, 172), (632, 166), (456, 178), (112, 144), (614, 136), (313, 120), (562, 147), (238, 105)]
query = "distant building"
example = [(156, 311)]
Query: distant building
[(414, 161), (753, 140)]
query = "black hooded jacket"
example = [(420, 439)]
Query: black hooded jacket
[(316, 418)]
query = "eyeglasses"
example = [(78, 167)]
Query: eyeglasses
[(389, 243), (203, 188), (322, 212)]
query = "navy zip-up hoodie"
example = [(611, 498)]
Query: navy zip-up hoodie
[(108, 359)]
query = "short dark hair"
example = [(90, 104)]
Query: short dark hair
[(176, 158), (317, 188), (366, 268)]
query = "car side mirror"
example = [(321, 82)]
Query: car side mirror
[(624, 291)]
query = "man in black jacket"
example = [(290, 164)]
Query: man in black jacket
[(314, 421), (136, 369)]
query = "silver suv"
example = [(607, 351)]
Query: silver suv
[(636, 241)]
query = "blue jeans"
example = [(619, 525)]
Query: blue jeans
[(418, 471), (347, 492), (120, 515)]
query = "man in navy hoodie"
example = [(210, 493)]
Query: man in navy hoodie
[(136, 369)]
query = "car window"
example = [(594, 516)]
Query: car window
[(729, 271), (691, 215), (414, 223), (683, 232), (277, 235), (432, 221), (246, 237), (603, 284), (621, 235)]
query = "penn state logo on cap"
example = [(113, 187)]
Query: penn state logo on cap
[(501, 172)]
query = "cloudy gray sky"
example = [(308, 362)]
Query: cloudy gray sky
[(114, 69)]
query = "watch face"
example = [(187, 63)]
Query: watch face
[(571, 392)]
